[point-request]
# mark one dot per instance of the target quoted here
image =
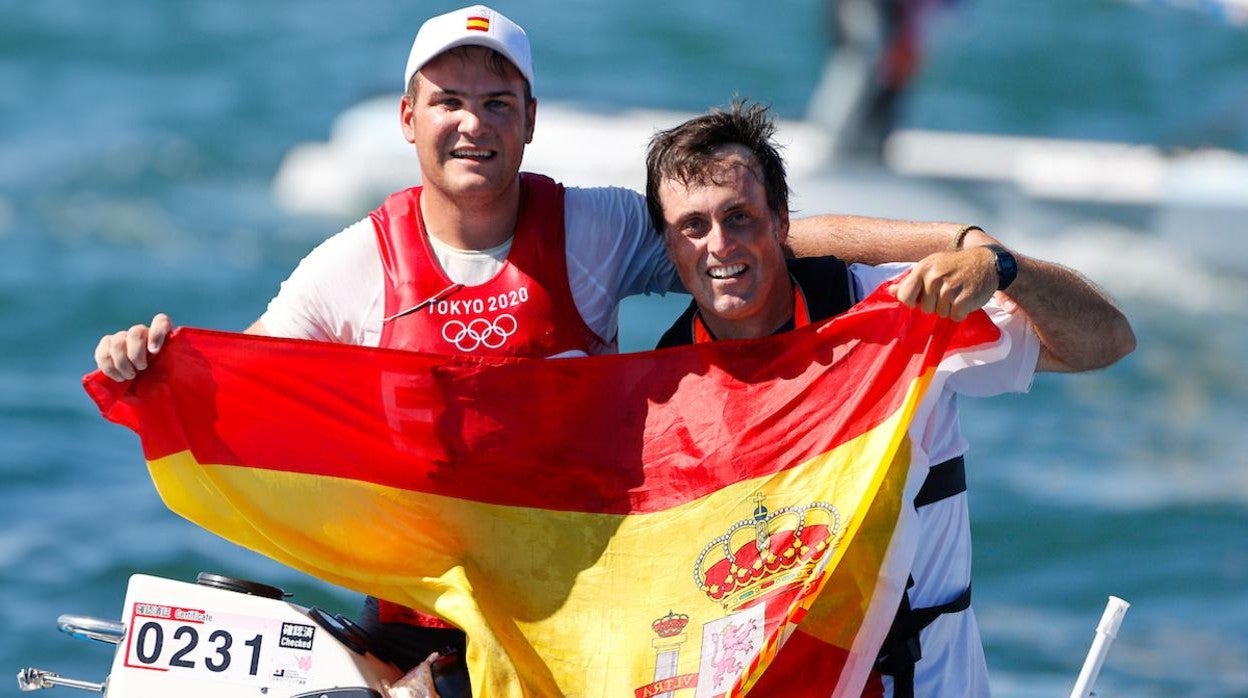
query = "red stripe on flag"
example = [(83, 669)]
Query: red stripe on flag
[(465, 427), (805, 666)]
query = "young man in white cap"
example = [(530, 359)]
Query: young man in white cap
[(716, 188), (481, 259)]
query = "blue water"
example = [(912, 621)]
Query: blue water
[(139, 140)]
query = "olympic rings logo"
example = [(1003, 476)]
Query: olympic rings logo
[(479, 332)]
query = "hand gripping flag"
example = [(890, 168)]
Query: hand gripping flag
[(699, 521)]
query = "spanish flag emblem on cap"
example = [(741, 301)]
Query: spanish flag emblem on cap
[(478, 23)]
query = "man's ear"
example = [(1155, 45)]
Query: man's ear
[(531, 113), (407, 108), (783, 226), (667, 236)]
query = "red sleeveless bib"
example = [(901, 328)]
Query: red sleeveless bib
[(525, 310)]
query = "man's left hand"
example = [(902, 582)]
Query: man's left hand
[(418, 683)]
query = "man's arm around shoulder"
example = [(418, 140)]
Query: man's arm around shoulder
[(864, 240)]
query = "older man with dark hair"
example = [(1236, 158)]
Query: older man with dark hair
[(716, 189)]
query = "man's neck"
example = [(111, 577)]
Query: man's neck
[(471, 223)]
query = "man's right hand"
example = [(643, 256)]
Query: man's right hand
[(122, 355), (951, 284)]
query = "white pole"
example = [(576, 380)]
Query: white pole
[(1106, 631)]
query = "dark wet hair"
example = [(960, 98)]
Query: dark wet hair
[(687, 153)]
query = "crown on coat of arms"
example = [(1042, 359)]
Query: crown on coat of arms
[(765, 553)]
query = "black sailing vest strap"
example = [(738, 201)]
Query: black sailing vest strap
[(826, 285), (901, 649)]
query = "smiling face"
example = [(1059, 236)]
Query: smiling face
[(469, 121), (726, 243)]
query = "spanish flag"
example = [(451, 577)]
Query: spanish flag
[(708, 520)]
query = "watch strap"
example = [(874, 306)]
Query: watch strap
[(1007, 266)]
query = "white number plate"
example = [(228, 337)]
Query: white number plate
[(201, 643)]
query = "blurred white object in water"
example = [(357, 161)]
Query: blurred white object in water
[(1195, 203), (1106, 632), (366, 157)]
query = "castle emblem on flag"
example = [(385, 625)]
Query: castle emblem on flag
[(670, 632)]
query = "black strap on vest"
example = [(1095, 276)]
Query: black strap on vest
[(901, 649), (826, 283), (943, 481)]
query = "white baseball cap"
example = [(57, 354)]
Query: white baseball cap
[(471, 26)]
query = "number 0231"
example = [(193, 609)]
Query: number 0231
[(185, 651)]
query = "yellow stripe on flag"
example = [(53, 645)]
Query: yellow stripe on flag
[(562, 602)]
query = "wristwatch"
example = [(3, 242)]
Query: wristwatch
[(1007, 266)]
